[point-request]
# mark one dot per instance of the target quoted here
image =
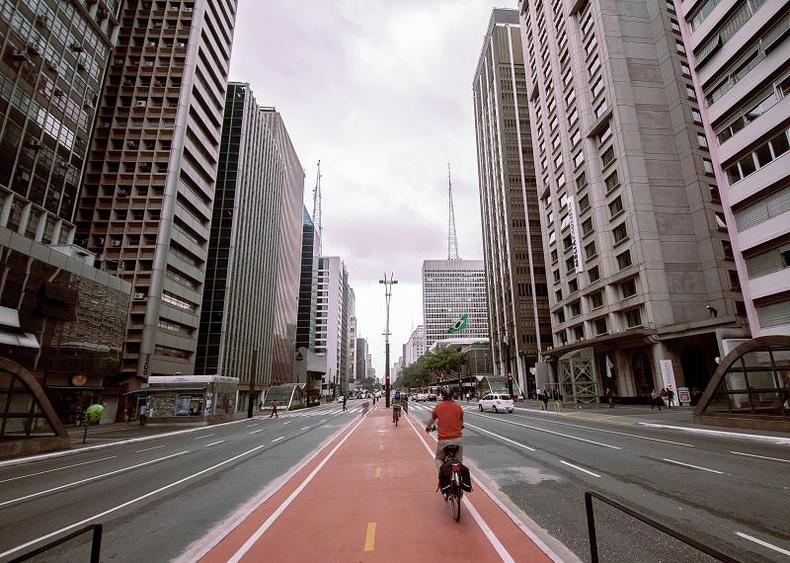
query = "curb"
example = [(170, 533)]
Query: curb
[(775, 440)]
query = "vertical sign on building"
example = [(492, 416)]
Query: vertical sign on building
[(575, 236)]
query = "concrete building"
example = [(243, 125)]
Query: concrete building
[(414, 347), (244, 315), (308, 284), (641, 292), (61, 320), (451, 289), (332, 321), (352, 353), (738, 54), (363, 359), (146, 206), (518, 303)]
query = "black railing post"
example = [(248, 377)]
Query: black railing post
[(96, 544), (588, 505)]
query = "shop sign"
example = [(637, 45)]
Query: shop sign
[(79, 380), (683, 395)]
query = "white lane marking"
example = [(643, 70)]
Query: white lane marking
[(508, 440), (692, 466), (57, 469), (306, 428), (256, 431), (740, 435), (278, 439), (322, 420), (684, 444), (286, 503), (125, 504), (763, 543), (204, 436), (488, 532), (747, 455), (582, 469), (214, 443), (499, 419), (289, 422), (251, 425), (149, 449), (89, 479)]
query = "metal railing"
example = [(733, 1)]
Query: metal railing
[(588, 496), (95, 544)]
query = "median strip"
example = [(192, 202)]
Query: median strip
[(763, 543)]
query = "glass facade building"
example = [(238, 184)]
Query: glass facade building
[(308, 284)]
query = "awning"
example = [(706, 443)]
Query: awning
[(74, 388), (22, 339), (149, 390)]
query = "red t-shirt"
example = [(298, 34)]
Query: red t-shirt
[(450, 417)]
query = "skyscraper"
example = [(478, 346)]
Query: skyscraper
[(414, 347), (518, 304), (332, 321), (252, 227), (738, 62), (146, 206), (641, 294), (308, 284), (363, 359), (451, 289)]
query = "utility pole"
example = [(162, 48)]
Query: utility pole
[(252, 382), (388, 283)]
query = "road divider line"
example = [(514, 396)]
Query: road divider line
[(747, 455), (322, 420), (582, 469), (289, 422), (763, 543), (125, 504), (215, 443), (89, 479), (256, 431), (692, 466), (370, 537), (306, 428), (777, 440), (487, 531), (204, 436), (251, 425), (570, 436), (287, 502), (508, 440), (278, 439), (149, 449), (57, 469)]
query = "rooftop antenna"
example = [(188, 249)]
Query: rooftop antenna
[(317, 207), (452, 238)]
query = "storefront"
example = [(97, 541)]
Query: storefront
[(188, 399)]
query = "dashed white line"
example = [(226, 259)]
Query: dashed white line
[(256, 431), (763, 543), (582, 469), (214, 443), (692, 466), (306, 428), (322, 420), (149, 449), (57, 469), (251, 425), (508, 440), (278, 439), (204, 436), (747, 455), (289, 422), (89, 479)]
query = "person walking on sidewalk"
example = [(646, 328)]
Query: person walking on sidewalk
[(450, 417), (143, 413), (655, 400), (610, 397), (670, 398), (274, 410), (344, 403)]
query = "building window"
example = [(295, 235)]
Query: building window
[(559, 316), (726, 246), (612, 181), (573, 118), (620, 233), (587, 226), (633, 318), (554, 256), (600, 326), (763, 155), (578, 332), (607, 157), (570, 265), (702, 141), (628, 288), (575, 309), (573, 286), (714, 193), (696, 116), (596, 300), (556, 274), (624, 260), (601, 109), (558, 295), (735, 283), (581, 182), (590, 251), (721, 222), (593, 274), (615, 207), (707, 165)]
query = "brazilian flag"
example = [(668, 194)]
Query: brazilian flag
[(460, 324)]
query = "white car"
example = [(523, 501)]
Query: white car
[(496, 403)]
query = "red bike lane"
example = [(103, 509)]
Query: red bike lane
[(369, 495)]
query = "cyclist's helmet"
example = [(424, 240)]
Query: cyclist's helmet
[(445, 392)]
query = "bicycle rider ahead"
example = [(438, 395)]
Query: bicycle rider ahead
[(397, 405)]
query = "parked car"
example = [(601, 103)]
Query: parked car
[(422, 397), (432, 396), (496, 403)]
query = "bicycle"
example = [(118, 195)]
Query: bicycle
[(396, 414), (454, 492)]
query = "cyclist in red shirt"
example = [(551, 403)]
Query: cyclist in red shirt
[(450, 417)]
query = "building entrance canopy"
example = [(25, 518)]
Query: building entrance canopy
[(578, 379)]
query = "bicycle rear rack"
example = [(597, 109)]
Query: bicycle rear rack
[(588, 496), (95, 544)]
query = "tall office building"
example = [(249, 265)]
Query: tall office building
[(363, 359), (641, 284), (738, 56), (414, 347), (308, 284), (451, 289), (146, 206), (352, 353), (332, 321), (252, 220), (518, 303)]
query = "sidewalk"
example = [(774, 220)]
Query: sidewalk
[(369, 495)]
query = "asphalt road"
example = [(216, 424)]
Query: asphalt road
[(712, 489), (156, 497)]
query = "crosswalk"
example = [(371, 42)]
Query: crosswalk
[(310, 413)]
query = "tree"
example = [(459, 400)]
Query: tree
[(413, 376), (444, 363)]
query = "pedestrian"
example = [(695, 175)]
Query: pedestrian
[(129, 411), (274, 410), (344, 403), (655, 400), (610, 397), (143, 413), (670, 398)]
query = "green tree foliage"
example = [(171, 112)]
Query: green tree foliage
[(444, 363)]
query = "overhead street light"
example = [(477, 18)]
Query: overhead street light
[(388, 283)]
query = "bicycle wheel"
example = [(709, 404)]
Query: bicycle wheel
[(397, 417), (454, 501)]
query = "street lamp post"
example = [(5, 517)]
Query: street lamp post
[(388, 283)]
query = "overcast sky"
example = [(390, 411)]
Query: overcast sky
[(380, 92)]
